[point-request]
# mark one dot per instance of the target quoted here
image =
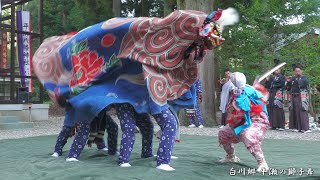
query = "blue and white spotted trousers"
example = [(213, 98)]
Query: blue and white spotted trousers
[(129, 118)]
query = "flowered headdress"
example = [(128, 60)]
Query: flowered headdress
[(214, 23), (210, 34)]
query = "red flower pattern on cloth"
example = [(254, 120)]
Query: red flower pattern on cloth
[(87, 65)]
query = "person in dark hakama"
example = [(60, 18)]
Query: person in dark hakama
[(298, 87), (276, 87)]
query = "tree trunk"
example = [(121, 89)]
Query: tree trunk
[(181, 4), (64, 22), (116, 8), (167, 7), (144, 9), (207, 69), (184, 121)]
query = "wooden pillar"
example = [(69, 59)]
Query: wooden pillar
[(40, 22), (12, 52)]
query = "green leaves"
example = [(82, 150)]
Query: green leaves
[(88, 12), (112, 61), (263, 35), (78, 47), (145, 8), (78, 74)]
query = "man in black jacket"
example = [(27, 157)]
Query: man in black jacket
[(276, 87), (298, 87)]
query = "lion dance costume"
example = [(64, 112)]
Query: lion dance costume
[(138, 65)]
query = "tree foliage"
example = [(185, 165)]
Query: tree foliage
[(142, 8), (61, 17), (55, 19), (264, 34), (89, 12)]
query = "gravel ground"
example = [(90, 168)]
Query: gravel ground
[(53, 126)]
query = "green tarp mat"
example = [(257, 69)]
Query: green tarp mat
[(29, 158)]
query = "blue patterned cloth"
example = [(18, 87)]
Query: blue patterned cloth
[(90, 102), (122, 60), (243, 101)]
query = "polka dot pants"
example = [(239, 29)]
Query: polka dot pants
[(128, 120), (168, 124), (80, 140), (62, 139), (198, 115)]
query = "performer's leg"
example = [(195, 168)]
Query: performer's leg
[(159, 133), (192, 121), (61, 140), (125, 114), (177, 138), (112, 130), (199, 115), (168, 125), (226, 139), (79, 141), (252, 138), (145, 125), (93, 131), (99, 140)]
